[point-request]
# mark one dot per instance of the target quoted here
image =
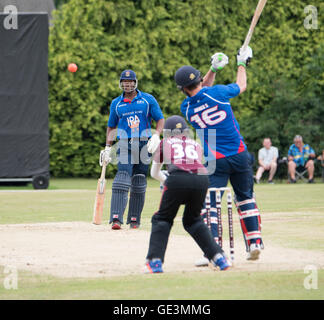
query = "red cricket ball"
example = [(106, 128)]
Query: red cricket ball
[(72, 67)]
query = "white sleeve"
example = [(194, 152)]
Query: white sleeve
[(276, 153), (260, 154), (156, 172)]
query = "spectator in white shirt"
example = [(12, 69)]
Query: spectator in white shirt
[(267, 157)]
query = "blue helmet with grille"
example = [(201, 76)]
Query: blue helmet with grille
[(128, 81)]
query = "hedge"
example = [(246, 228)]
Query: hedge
[(154, 38)]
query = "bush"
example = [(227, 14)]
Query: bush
[(156, 37), (296, 108)]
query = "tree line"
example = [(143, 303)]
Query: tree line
[(156, 37)]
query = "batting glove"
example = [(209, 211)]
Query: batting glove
[(105, 156), (244, 57), (153, 143), (166, 173), (218, 61)]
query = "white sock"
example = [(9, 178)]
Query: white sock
[(217, 256)]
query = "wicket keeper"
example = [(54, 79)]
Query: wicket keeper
[(187, 184)]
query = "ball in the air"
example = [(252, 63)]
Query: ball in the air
[(72, 67)]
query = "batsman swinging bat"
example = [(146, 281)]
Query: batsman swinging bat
[(100, 196), (255, 20)]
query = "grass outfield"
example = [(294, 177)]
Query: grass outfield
[(172, 286), (292, 216)]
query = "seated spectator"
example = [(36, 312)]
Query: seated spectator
[(300, 156), (267, 157), (321, 159)]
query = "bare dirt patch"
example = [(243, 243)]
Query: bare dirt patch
[(84, 250)]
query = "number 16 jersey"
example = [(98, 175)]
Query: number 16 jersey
[(210, 113)]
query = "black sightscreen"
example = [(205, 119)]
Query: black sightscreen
[(24, 132)]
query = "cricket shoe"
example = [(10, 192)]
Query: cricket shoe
[(134, 225), (202, 262), (116, 225), (153, 266), (221, 262), (254, 253)]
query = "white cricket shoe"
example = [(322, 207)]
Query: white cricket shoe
[(255, 250), (202, 262)]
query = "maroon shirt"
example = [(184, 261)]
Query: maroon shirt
[(180, 153)]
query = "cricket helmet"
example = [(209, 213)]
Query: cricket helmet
[(128, 86), (186, 76), (175, 125)]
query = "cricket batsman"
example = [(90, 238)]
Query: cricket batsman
[(208, 110), (132, 114)]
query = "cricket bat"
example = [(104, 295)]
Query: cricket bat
[(254, 22), (100, 196)]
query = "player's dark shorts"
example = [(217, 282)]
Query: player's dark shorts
[(190, 190), (235, 168), (133, 156), (183, 188)]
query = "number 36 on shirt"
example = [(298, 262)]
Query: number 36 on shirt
[(181, 152)]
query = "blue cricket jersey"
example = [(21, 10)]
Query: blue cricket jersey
[(210, 113), (133, 118)]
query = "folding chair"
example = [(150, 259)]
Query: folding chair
[(300, 173)]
